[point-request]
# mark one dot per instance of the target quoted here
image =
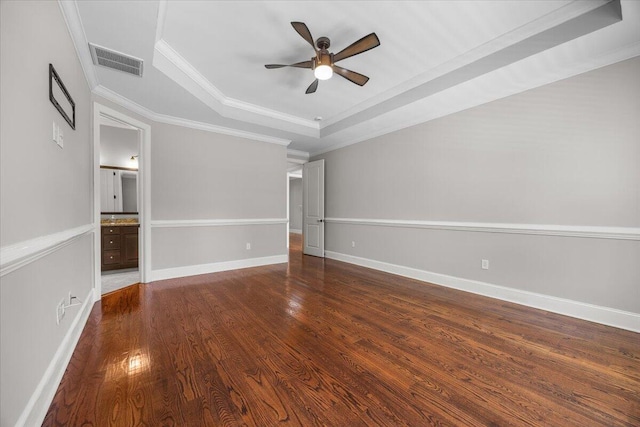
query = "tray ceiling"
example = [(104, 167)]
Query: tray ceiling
[(204, 61)]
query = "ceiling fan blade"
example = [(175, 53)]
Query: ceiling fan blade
[(352, 76), (303, 64), (312, 87), (303, 30), (364, 44)]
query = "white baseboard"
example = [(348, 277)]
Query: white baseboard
[(295, 230), (594, 313), (38, 405), (192, 270)]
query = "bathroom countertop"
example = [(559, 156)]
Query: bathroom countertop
[(119, 222)]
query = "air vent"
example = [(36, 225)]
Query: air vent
[(116, 60)]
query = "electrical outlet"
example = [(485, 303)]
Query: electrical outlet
[(353, 244), (248, 246), (60, 311), (485, 264)]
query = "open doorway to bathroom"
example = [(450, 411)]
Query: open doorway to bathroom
[(119, 219), (120, 171)]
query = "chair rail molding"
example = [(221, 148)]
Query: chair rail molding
[(594, 232), (175, 223), (17, 255)]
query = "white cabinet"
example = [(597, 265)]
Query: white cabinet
[(110, 190)]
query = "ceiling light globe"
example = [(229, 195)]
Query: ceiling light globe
[(323, 72)]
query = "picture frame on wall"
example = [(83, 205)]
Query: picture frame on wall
[(60, 98)]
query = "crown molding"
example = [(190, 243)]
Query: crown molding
[(71, 16), (628, 51), (162, 17), (297, 156), (198, 85), (177, 121), (564, 14)]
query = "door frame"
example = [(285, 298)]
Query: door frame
[(144, 192)]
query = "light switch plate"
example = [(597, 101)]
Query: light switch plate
[(60, 140)]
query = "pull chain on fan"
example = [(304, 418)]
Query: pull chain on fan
[(323, 63)]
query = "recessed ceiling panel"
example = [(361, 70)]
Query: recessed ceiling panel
[(229, 43), (204, 60)]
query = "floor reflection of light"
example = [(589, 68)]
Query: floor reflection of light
[(129, 363), (294, 305), (293, 309), (138, 363)]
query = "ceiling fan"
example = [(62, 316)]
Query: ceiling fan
[(323, 63)]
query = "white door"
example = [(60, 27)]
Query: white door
[(313, 208), (107, 203), (110, 190)]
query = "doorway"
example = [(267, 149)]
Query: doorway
[(122, 243)]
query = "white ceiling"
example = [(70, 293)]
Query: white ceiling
[(204, 60)]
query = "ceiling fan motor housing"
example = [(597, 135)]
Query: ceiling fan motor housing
[(323, 58), (323, 43)]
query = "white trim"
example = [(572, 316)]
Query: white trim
[(295, 231), (144, 191), (71, 16), (221, 130), (594, 313), (192, 270), (626, 52), (177, 223), (594, 232), (162, 18), (288, 206), (162, 118), (36, 409), (203, 89), (18, 255), (543, 23), (297, 156)]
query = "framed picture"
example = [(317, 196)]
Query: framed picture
[(59, 96)]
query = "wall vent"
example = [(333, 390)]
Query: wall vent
[(116, 60)]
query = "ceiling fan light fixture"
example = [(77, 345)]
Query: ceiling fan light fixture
[(323, 64), (323, 72)]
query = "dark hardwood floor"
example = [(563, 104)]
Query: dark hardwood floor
[(320, 342)]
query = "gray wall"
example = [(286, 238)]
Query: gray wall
[(564, 154), (199, 175), (295, 204), (44, 190)]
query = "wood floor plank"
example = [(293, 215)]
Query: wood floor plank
[(318, 342)]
